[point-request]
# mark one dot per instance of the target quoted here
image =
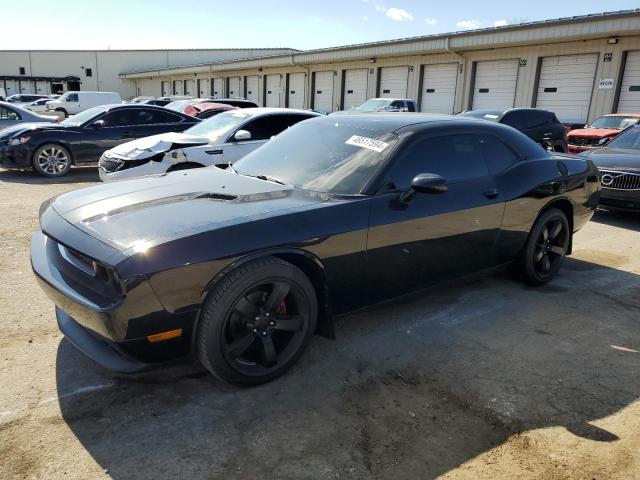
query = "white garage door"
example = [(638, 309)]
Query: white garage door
[(296, 90), (566, 85), (27, 86), (272, 97), (394, 82), (218, 88), (252, 85), (190, 88), (43, 88), (439, 88), (177, 87), (495, 84), (323, 91), (234, 87), (166, 88), (355, 88), (11, 87), (629, 101), (204, 88)]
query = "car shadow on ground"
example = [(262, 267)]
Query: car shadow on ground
[(410, 389), (75, 175), (616, 218)]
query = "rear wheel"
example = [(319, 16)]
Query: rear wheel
[(546, 247), (256, 322), (52, 160), (63, 111)]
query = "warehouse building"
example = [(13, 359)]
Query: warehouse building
[(53, 71), (579, 67)]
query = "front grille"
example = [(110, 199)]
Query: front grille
[(584, 141), (619, 203), (617, 180), (109, 165)]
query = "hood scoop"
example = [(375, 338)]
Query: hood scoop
[(220, 197)]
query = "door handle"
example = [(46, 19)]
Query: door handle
[(491, 193)]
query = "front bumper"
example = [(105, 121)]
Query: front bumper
[(16, 156), (108, 325), (105, 353), (131, 169), (620, 199)]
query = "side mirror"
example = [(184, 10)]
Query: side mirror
[(428, 183), (424, 183), (242, 135), (98, 124)]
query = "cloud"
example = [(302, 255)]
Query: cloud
[(365, 18), (431, 21), (380, 8), (469, 24), (398, 14), (501, 23)]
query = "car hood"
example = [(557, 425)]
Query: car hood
[(29, 127), (616, 159), (149, 146), (134, 215), (594, 132)]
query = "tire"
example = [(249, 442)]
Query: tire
[(52, 160), (63, 111), (256, 322), (546, 247)]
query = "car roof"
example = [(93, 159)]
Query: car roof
[(622, 115), (201, 107), (269, 110), (390, 121)]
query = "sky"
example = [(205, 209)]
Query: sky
[(147, 24)]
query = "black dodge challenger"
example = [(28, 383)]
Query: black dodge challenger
[(240, 266)]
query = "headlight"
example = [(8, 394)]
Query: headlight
[(19, 140)]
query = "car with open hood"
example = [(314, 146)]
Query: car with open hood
[(619, 165), (600, 131), (219, 140), (52, 148), (239, 267)]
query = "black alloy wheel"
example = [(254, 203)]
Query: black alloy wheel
[(546, 247), (257, 322)]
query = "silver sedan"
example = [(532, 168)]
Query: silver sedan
[(11, 114)]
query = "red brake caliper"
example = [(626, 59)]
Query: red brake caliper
[(282, 309)]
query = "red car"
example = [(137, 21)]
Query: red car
[(608, 126), (207, 109)]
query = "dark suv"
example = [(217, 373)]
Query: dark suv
[(541, 126)]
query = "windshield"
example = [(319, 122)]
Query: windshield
[(82, 117), (372, 105), (614, 122), (629, 140), (219, 126), (179, 105), (321, 156), (492, 115)]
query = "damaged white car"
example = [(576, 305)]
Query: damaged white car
[(220, 140)]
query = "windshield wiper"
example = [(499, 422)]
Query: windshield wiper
[(270, 179), (265, 178)]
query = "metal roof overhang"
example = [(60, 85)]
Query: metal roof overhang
[(604, 25)]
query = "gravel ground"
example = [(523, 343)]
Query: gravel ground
[(481, 378)]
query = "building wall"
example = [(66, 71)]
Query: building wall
[(107, 66), (602, 100)]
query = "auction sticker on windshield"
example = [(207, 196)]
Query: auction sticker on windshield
[(366, 142)]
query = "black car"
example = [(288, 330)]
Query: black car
[(619, 164), (51, 148), (241, 266), (541, 126)]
